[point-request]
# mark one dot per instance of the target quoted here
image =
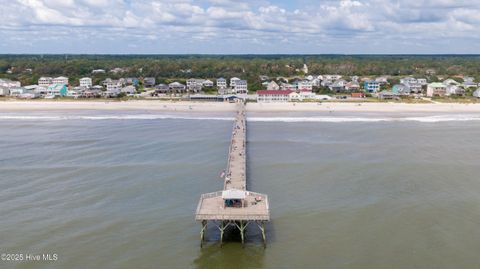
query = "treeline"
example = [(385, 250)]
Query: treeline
[(166, 68)]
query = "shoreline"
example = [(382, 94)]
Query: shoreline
[(191, 106)]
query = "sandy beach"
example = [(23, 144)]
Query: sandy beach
[(169, 106)]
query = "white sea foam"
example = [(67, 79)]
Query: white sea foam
[(110, 117), (313, 119), (426, 119)]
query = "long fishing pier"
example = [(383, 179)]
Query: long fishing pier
[(234, 206)]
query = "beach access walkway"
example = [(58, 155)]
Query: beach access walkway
[(234, 206)]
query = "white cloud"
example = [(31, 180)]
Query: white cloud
[(346, 26)]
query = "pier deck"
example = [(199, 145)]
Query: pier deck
[(254, 208)]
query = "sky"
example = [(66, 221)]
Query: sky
[(240, 27)]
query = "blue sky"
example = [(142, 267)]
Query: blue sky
[(238, 27)]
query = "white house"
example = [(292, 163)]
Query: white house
[(60, 80), (273, 86), (476, 93), (408, 80), (221, 83), (4, 91), (113, 85), (85, 82), (233, 81), (241, 87), (287, 87), (307, 95), (279, 96), (207, 83), (176, 86), (129, 90), (422, 81), (352, 86), (316, 82), (5, 82), (194, 83), (338, 85), (304, 85), (45, 81), (454, 90), (331, 77)]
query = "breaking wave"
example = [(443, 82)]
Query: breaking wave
[(313, 119), (426, 119), (111, 117)]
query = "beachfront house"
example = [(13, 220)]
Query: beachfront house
[(195, 84), (387, 95), (16, 91), (60, 80), (208, 83), (177, 87), (149, 82), (162, 88), (129, 90), (7, 83), (401, 89), (56, 90), (273, 96), (85, 82), (476, 93), (454, 90), (469, 82), (307, 95), (221, 83), (113, 86), (414, 85), (112, 92), (338, 85), (436, 89), (241, 87), (4, 91), (233, 81), (38, 90), (45, 81), (371, 86), (352, 86)]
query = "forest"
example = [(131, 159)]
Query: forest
[(166, 68)]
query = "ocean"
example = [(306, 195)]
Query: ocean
[(119, 189)]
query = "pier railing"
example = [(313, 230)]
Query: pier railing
[(248, 216)]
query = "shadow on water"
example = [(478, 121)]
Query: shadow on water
[(230, 255)]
